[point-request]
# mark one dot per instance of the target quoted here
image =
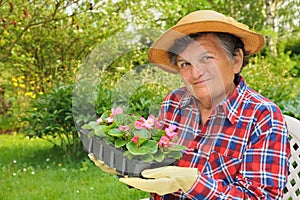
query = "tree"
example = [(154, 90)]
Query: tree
[(44, 42)]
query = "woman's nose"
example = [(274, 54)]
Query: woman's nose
[(197, 71)]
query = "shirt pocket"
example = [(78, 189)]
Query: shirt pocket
[(222, 167)]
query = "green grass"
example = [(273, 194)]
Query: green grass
[(33, 169)]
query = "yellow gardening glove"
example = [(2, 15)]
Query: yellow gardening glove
[(164, 180), (102, 165)]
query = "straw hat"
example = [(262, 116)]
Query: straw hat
[(201, 21)]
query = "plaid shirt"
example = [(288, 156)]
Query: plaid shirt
[(242, 150)]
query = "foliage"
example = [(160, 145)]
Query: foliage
[(138, 137), (50, 116), (286, 12), (142, 90), (147, 99), (85, 108), (271, 76), (248, 12), (4, 105), (41, 171), (291, 106), (291, 45), (103, 101), (88, 101), (296, 70), (7, 121), (46, 41), (8, 124)]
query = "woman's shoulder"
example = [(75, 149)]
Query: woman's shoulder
[(262, 105)]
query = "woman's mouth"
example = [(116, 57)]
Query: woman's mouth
[(200, 83)]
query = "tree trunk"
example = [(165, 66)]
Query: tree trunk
[(271, 11)]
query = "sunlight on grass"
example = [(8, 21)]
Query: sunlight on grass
[(33, 169)]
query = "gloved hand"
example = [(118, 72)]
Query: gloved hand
[(102, 165), (164, 180)]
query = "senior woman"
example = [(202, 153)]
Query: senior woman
[(237, 140)]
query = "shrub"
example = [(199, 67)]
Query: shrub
[(271, 76), (142, 91), (103, 101), (147, 99), (90, 102), (291, 106), (50, 117)]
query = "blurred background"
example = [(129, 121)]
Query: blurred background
[(44, 44)]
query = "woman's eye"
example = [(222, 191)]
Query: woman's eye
[(184, 65), (206, 59)]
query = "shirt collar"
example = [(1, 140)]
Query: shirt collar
[(234, 101), (188, 99)]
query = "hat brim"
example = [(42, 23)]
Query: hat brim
[(158, 53)]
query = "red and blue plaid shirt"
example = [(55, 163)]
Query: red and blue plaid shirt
[(242, 150)]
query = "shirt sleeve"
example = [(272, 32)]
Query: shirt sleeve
[(263, 169)]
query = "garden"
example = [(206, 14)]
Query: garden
[(65, 63)]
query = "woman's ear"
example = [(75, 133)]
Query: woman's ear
[(238, 60)]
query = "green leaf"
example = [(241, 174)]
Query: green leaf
[(175, 139), (121, 119), (174, 154), (135, 150), (91, 134), (158, 132), (100, 130), (68, 117), (116, 133), (119, 143), (128, 155), (107, 140), (143, 135), (152, 145), (159, 157), (177, 147), (165, 150), (91, 125), (106, 114), (147, 158), (87, 127), (135, 117)]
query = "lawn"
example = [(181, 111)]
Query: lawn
[(33, 169)]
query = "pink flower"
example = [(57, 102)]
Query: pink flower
[(170, 131), (152, 117), (114, 111), (172, 144), (123, 128), (156, 123), (135, 139), (149, 123), (109, 119), (139, 124), (117, 111), (163, 142), (99, 120)]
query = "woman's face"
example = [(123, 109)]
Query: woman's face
[(206, 69)]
